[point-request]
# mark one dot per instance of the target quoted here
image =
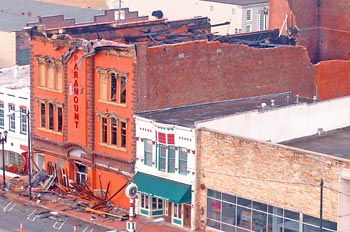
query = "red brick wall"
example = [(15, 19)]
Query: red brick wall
[(333, 79), (210, 71), (303, 14), (335, 27), (323, 29)]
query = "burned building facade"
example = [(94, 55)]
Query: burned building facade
[(88, 81)]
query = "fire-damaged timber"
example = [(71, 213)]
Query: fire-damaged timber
[(53, 186)]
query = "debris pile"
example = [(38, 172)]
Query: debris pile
[(55, 187)]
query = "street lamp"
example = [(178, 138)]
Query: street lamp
[(3, 140), (157, 220), (29, 158)]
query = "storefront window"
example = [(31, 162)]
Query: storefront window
[(177, 211), (230, 213)]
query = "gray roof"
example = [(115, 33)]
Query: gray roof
[(15, 14), (334, 143), (186, 116), (238, 2)]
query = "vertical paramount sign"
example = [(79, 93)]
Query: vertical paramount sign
[(76, 92)]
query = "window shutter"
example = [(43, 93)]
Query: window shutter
[(161, 137), (171, 139)]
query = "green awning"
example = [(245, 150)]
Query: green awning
[(162, 188)]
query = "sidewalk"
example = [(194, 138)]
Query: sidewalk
[(52, 202)]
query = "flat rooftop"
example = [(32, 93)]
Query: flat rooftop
[(334, 143), (186, 116), (15, 14)]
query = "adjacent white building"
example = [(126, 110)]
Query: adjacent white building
[(14, 105), (227, 16), (165, 171)]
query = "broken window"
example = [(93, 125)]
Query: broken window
[(43, 115), (123, 134), (104, 130), (59, 119), (59, 76), (81, 174), (50, 75), (51, 117), (113, 131), (123, 90), (113, 88), (41, 63), (117, 88)]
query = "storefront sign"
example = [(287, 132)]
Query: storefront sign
[(76, 93)]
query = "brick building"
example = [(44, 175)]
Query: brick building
[(89, 80), (167, 164), (256, 164), (283, 171)]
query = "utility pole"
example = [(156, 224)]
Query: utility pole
[(29, 157), (321, 204)]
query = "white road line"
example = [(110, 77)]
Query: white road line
[(58, 225), (30, 218), (8, 207)]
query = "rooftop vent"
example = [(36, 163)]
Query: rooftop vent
[(320, 131)]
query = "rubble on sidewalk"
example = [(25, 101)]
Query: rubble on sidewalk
[(54, 187)]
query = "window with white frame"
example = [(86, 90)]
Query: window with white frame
[(148, 152), (12, 118), (249, 15), (171, 159), (23, 121), (157, 204), (2, 115), (15, 159), (166, 158), (177, 211), (162, 157), (144, 201), (233, 11), (248, 28), (261, 22), (183, 155), (211, 8)]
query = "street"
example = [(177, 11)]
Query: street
[(36, 219)]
